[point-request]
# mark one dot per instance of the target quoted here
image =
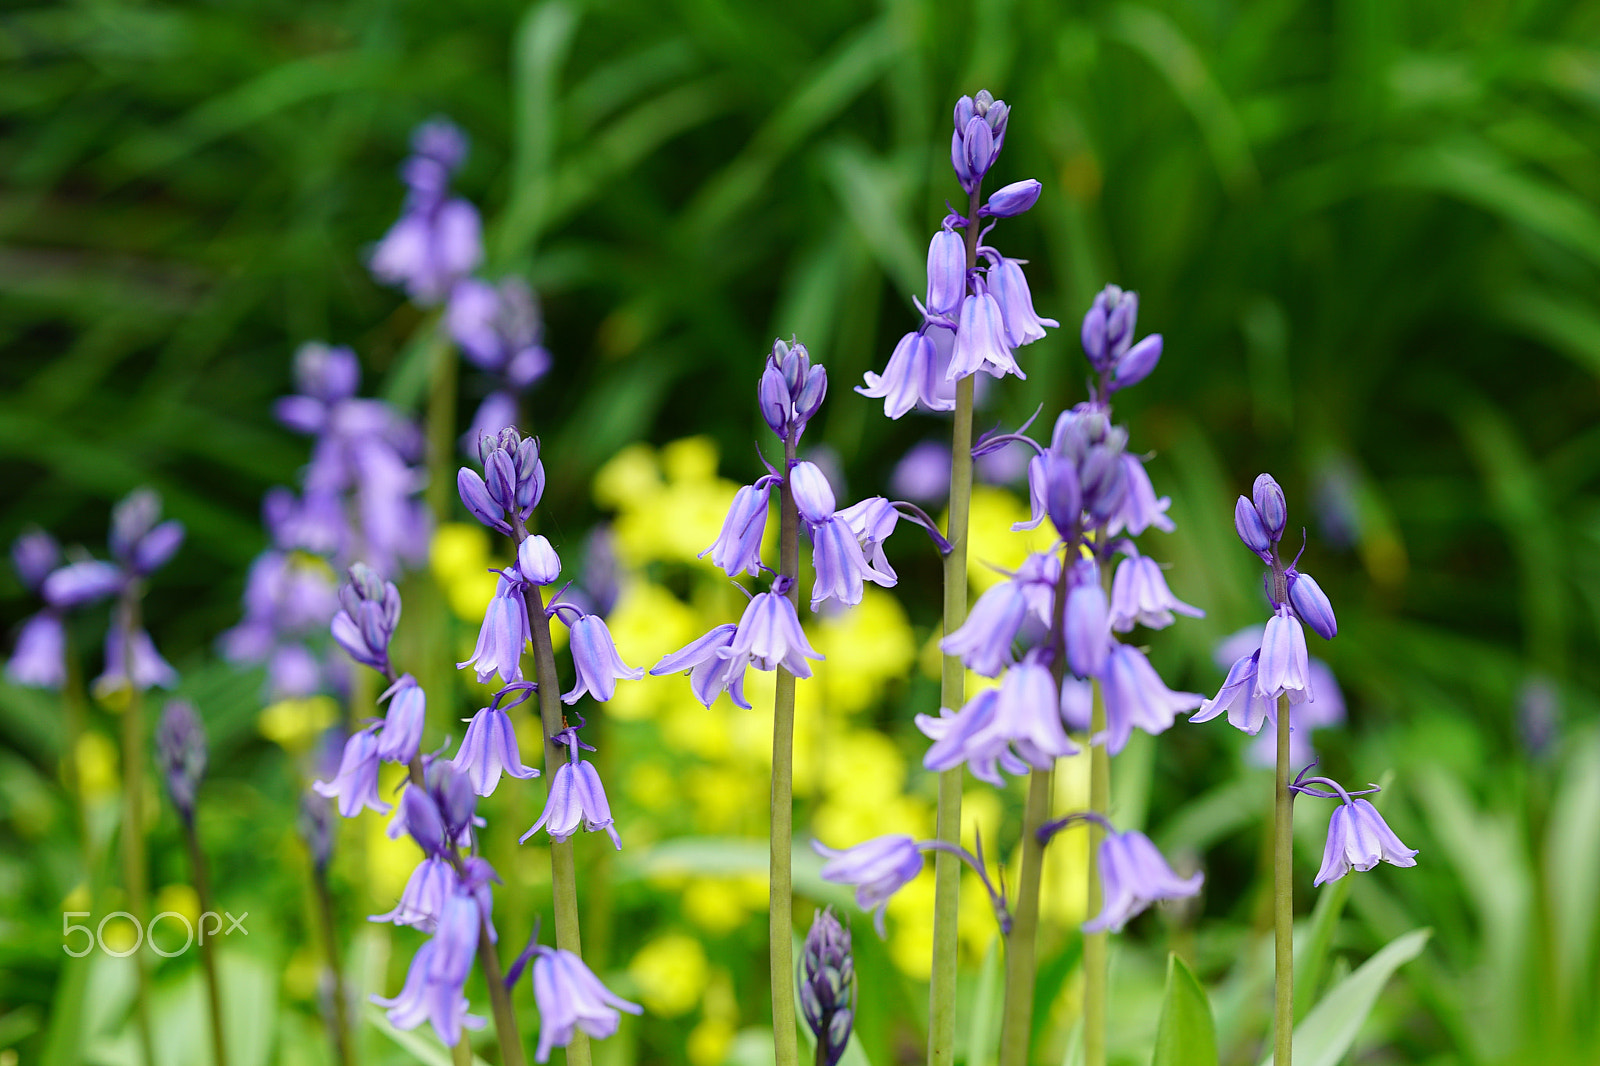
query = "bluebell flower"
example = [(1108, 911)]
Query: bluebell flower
[(402, 725), (503, 636), (769, 636), (983, 643), (1141, 508), (369, 613), (421, 901), (1077, 703), (149, 669), (1311, 604), (1359, 838), (576, 798), (569, 997), (181, 755), (980, 133), (1246, 710), (34, 554), (1282, 666), (710, 673), (792, 389), (1267, 497), (40, 657), (947, 273), (1087, 622), (1135, 695), (1134, 875), (813, 496), (490, 749), (1012, 200), (595, 661), (923, 474), (437, 240), (840, 565), (537, 561), (1108, 327), (80, 583), (1010, 288), (981, 340), (873, 521), (498, 329), (1140, 596), (434, 985), (1027, 714), (913, 376), (1136, 363), (738, 547), (828, 986), (964, 736), (878, 868), (356, 785), (423, 820), (1247, 523)]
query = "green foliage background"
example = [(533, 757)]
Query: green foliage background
[(1369, 231)]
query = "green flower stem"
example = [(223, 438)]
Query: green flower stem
[(505, 1021), (134, 753), (780, 923), (1016, 1023), (1283, 897), (208, 955), (1095, 948), (330, 932), (952, 692), (441, 420)]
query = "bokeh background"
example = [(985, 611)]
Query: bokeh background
[(1369, 231)]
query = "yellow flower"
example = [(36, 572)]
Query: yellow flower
[(992, 543), (671, 973), (293, 724), (96, 756), (715, 905), (710, 1041), (460, 560), (866, 647)]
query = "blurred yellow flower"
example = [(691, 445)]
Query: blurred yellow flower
[(460, 560), (866, 647), (96, 757), (293, 724), (992, 543), (179, 899), (715, 905), (671, 973), (710, 1041)]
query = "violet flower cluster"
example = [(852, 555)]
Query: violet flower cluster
[(140, 545), (358, 501), (972, 319)]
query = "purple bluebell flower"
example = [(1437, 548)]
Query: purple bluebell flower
[(812, 493), (80, 583), (1088, 621), (1140, 596), (595, 661), (402, 725), (1108, 327), (981, 340), (316, 829), (878, 868), (576, 798), (792, 389), (1311, 604), (503, 636), (1282, 667), (1077, 703), (1247, 523), (423, 820), (34, 554), (602, 574), (947, 273), (964, 736), (738, 547), (1267, 497), (1135, 695), (828, 985), (490, 749), (1027, 714), (40, 657), (840, 565), (369, 612), (356, 785), (710, 673), (914, 374), (430, 884), (872, 521), (984, 640), (181, 755), (437, 240), (1246, 710), (570, 997), (923, 474), (1136, 363), (1010, 288), (769, 635), (537, 561), (979, 135), (434, 985), (150, 670), (1134, 875), (1141, 508), (498, 329), (1359, 838), (1012, 200), (452, 791)]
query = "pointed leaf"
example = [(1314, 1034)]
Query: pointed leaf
[(1186, 1034)]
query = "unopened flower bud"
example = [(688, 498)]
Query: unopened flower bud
[(316, 829), (1135, 364), (812, 391), (181, 750), (812, 493), (1311, 604), (1270, 505), (827, 986), (947, 272), (452, 793), (1247, 523), (775, 399), (537, 561), (423, 820), (1012, 200)]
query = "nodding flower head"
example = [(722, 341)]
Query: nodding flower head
[(878, 868), (792, 389), (1108, 327), (369, 612), (569, 996), (1134, 875), (140, 542), (512, 482)]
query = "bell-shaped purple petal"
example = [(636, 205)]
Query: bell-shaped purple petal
[(79, 583), (430, 884), (1134, 875), (1134, 696), (537, 561), (912, 377), (1246, 710), (738, 547), (402, 725), (981, 341), (710, 674), (769, 636), (1140, 596), (1087, 622), (1010, 287), (157, 546), (1136, 363), (1009, 201), (878, 868), (947, 272), (571, 998), (502, 638), (984, 640), (1282, 667), (356, 784), (1267, 496), (488, 750), (840, 564), (34, 554), (812, 493), (1358, 839), (576, 798), (150, 670), (40, 658), (1027, 715), (1312, 605), (1141, 508), (596, 662)]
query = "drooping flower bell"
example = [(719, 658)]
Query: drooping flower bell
[(769, 635), (435, 984), (595, 661), (356, 784), (569, 997), (576, 798), (1358, 837), (438, 239), (1133, 875), (878, 868), (828, 986), (489, 749), (710, 672)]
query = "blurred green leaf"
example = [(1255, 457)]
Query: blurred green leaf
[(1186, 1034)]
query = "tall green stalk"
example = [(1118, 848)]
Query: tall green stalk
[(1016, 1020), (208, 952), (330, 932), (780, 922), (1095, 947), (952, 694), (134, 876), (1283, 896)]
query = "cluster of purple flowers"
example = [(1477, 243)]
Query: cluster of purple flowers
[(359, 501), (140, 544), (972, 319)]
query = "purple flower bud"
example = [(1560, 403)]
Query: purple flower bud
[(776, 403), (1094, 334), (401, 737), (40, 658), (1268, 499), (1010, 287), (710, 674), (500, 476), (1088, 624), (537, 561), (1134, 875), (530, 475), (977, 151), (1012, 200), (1309, 602), (878, 868), (356, 784), (452, 791), (570, 997), (1282, 667), (738, 547), (812, 493), (596, 662), (131, 519), (488, 750), (911, 377), (475, 495), (423, 820), (181, 754), (947, 272), (808, 401), (769, 636), (1104, 482), (369, 613), (827, 986), (981, 341), (156, 547), (1063, 498), (1247, 523), (1359, 838), (34, 554), (316, 829), (1135, 365)]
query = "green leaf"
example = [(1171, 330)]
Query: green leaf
[(420, 1042), (1185, 1035), (1332, 1026), (983, 1028)]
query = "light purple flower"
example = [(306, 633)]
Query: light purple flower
[(873, 521), (1267, 496), (1012, 200), (947, 272), (40, 658), (813, 496), (769, 636), (981, 341), (1246, 710), (710, 673), (1135, 695), (1359, 838), (434, 985), (150, 670), (576, 797), (1136, 363), (1108, 327), (537, 561), (1282, 667), (1027, 715), (1010, 287), (429, 248), (1140, 508), (595, 661), (984, 640), (570, 997), (503, 636), (34, 554), (738, 547), (1140, 596), (402, 725), (914, 375), (878, 868), (923, 474), (1087, 622), (79, 583), (1134, 875), (840, 565), (430, 884), (488, 750), (1311, 604), (356, 785), (498, 329), (369, 613), (964, 737)]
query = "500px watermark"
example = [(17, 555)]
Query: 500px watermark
[(95, 936)]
